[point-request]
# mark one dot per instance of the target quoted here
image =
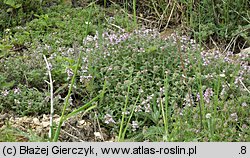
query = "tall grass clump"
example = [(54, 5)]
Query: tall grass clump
[(85, 108)]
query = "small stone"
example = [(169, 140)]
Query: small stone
[(36, 121), (81, 122), (45, 117), (247, 50), (57, 120), (27, 119), (222, 75), (39, 129), (4, 116), (45, 124), (98, 135)]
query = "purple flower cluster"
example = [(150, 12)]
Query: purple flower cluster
[(5, 93), (16, 90), (188, 100), (134, 125), (146, 103), (207, 95), (148, 33), (109, 119)]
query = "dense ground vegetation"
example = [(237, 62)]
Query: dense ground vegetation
[(137, 83)]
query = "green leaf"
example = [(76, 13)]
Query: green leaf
[(36, 15), (5, 47), (82, 108), (17, 6), (10, 2), (151, 49), (9, 10), (7, 85)]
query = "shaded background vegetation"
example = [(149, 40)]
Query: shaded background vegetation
[(222, 21)]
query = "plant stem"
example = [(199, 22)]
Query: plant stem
[(51, 98), (123, 115)]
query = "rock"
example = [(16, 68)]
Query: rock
[(45, 124), (247, 50), (39, 129), (4, 116), (45, 117), (98, 135), (81, 122), (36, 121)]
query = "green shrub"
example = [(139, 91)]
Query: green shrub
[(18, 12), (24, 101)]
